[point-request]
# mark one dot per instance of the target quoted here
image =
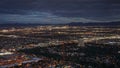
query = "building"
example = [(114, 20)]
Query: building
[(81, 43)]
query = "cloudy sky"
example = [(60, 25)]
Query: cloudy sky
[(59, 11)]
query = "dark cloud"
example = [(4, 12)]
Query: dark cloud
[(92, 9)]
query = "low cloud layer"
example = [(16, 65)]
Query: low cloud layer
[(59, 11)]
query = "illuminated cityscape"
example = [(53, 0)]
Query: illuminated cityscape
[(63, 46), (59, 33)]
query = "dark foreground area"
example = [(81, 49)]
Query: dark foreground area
[(91, 56)]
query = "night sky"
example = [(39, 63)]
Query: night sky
[(59, 11)]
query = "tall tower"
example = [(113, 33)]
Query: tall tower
[(81, 43)]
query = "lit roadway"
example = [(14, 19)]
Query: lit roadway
[(100, 38)]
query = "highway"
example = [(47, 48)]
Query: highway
[(100, 38)]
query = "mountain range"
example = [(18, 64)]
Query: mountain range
[(116, 23)]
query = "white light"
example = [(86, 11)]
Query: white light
[(6, 53)]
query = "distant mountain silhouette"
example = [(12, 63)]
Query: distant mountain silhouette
[(20, 24), (117, 23)]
